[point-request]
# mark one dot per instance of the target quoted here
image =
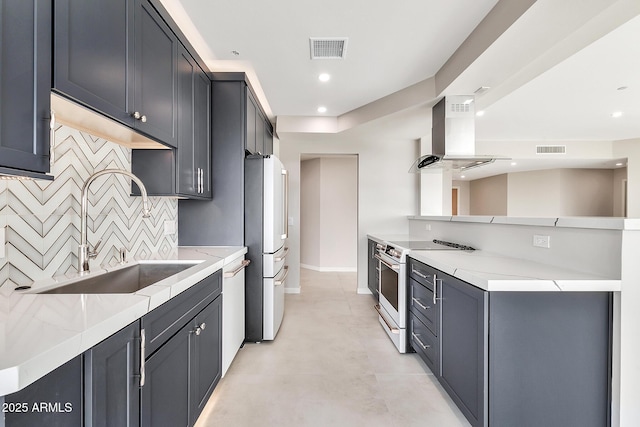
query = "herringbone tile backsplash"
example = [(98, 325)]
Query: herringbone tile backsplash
[(42, 218)]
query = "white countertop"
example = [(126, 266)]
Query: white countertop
[(607, 223), (40, 332), (493, 272)]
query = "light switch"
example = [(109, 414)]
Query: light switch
[(291, 221)]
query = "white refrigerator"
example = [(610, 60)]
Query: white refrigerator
[(266, 229)]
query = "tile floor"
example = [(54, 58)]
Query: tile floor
[(330, 365)]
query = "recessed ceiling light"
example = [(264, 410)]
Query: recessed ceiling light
[(616, 114), (480, 113), (513, 163), (619, 164), (324, 77), (462, 176), (235, 53), (322, 109)]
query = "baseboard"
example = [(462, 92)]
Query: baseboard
[(364, 291), (329, 269), (292, 290)]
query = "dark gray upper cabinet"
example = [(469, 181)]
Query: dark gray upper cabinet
[(233, 116), (259, 139), (194, 129), (155, 95), (94, 55), (185, 172), (119, 58), (25, 84), (111, 380)]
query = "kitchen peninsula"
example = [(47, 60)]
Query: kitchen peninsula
[(509, 326)]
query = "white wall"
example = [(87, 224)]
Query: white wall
[(387, 193), (310, 212), (561, 192), (464, 202), (488, 196), (630, 149), (329, 213)]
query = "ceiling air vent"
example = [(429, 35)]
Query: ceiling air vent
[(328, 47), (551, 149)]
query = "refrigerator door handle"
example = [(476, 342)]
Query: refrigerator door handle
[(285, 211), (285, 273)]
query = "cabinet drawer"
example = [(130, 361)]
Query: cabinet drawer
[(421, 273), (421, 304), (163, 322), (424, 343)]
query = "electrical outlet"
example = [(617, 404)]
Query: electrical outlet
[(169, 227), (540, 241), (427, 227)]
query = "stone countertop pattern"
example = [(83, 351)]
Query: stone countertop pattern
[(40, 332), (493, 272)]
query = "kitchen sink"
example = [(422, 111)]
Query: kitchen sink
[(124, 280)]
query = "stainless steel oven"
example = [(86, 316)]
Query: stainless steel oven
[(392, 293), (392, 284)]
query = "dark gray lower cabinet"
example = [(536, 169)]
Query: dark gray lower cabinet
[(463, 345), (514, 358), (53, 401), (372, 268), (164, 395), (111, 380), (181, 375)]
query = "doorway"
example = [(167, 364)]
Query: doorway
[(455, 200), (329, 212)]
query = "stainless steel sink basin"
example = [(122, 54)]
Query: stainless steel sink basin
[(123, 281)]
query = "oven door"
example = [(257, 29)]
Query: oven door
[(391, 286)]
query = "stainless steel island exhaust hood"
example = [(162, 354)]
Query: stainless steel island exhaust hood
[(453, 137)]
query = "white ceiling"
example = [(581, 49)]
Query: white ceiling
[(391, 45), (554, 73)]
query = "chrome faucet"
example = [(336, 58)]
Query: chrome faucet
[(84, 254)]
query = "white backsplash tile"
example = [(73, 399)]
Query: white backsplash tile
[(42, 218)]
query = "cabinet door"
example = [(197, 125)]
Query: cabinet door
[(268, 141), (463, 346), (55, 400), (25, 84), (156, 53), (111, 378), (187, 175), (164, 397), (202, 130), (251, 124), (206, 360), (261, 131), (94, 55)]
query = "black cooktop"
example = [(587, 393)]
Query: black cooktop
[(429, 245)]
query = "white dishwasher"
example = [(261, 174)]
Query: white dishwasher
[(232, 310)]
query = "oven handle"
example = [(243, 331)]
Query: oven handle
[(391, 328), (393, 267)]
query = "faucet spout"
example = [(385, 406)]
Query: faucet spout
[(84, 254)]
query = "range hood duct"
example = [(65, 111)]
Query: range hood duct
[(453, 137)]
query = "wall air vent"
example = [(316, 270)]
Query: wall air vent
[(328, 47), (551, 149)]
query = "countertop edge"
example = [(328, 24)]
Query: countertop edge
[(15, 377)]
